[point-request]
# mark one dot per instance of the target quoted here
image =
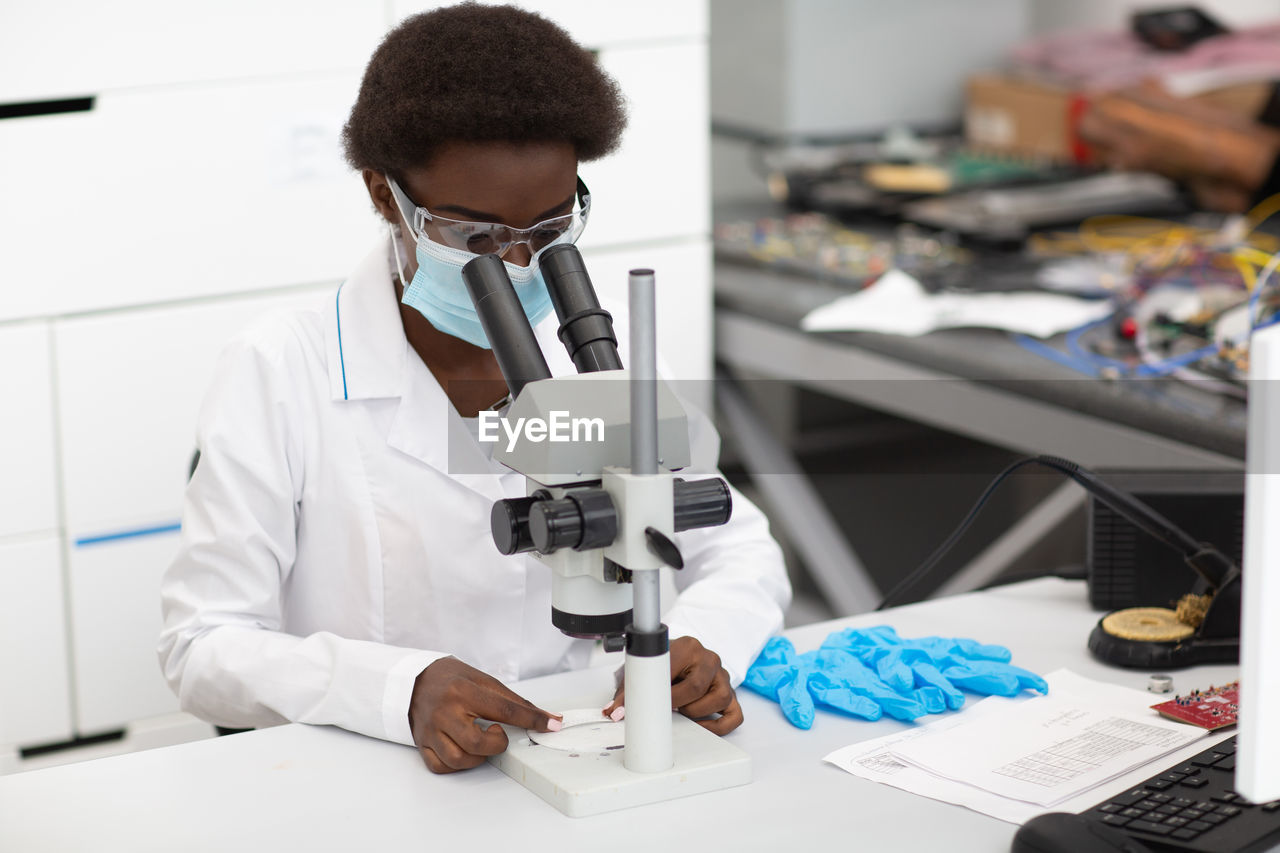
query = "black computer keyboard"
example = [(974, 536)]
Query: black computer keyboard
[(1192, 806)]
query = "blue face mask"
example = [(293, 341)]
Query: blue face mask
[(438, 292)]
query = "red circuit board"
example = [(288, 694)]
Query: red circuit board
[(1210, 709)]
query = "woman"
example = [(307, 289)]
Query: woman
[(336, 565)]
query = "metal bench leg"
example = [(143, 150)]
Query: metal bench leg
[(796, 507)]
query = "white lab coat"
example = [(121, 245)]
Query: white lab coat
[(334, 543)]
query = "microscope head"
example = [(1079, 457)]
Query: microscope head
[(569, 429), (590, 515)]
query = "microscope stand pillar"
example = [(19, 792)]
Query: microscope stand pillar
[(648, 721)]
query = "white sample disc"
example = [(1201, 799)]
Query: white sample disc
[(584, 730)]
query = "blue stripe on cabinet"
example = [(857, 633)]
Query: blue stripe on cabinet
[(128, 534)]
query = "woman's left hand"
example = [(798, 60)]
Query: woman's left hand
[(699, 688)]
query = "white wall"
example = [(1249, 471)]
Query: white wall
[(205, 187), (864, 65)]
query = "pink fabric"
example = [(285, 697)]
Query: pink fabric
[(1103, 61)]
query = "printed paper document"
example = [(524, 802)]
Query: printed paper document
[(1014, 758)]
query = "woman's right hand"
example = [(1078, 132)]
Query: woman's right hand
[(449, 698)]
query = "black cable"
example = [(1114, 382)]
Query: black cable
[(927, 566), (1206, 560)]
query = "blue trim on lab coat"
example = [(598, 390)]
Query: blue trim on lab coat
[(342, 361)]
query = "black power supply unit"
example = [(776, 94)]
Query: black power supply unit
[(1128, 568)]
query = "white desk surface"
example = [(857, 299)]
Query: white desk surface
[(322, 789)]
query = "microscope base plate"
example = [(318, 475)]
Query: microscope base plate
[(582, 784)]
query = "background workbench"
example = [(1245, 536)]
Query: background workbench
[(976, 383)]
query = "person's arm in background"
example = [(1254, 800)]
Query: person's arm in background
[(223, 649), (1269, 117), (1228, 161)]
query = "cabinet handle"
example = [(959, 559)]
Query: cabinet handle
[(25, 109)]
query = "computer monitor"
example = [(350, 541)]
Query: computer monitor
[(1258, 747)]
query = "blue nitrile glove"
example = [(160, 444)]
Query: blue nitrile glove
[(976, 667), (872, 671), (834, 679), (946, 664), (902, 668), (834, 693), (778, 674), (851, 673)]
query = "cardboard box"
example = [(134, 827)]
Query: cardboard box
[(1016, 116), (1027, 117)]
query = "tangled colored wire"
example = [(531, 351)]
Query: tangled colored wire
[(1157, 263)]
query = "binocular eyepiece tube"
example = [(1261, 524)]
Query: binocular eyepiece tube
[(504, 322), (586, 329)]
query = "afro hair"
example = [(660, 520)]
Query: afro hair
[(476, 73)]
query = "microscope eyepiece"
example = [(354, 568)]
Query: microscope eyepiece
[(504, 322), (586, 329)]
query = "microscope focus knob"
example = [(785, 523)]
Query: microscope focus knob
[(509, 525), (555, 524), (582, 519), (701, 503)]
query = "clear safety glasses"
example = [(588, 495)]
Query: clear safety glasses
[(484, 238)]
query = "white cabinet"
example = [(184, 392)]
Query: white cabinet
[(35, 702), (657, 185), (682, 277), (162, 195), (28, 500), (115, 617), (130, 389), (83, 47), (130, 386)]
